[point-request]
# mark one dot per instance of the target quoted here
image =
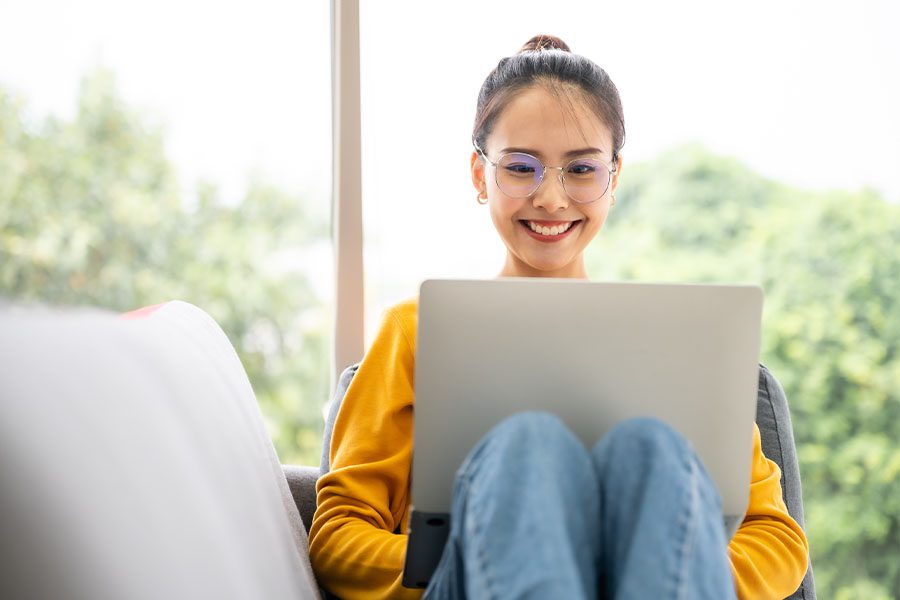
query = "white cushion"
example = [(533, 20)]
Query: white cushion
[(134, 463)]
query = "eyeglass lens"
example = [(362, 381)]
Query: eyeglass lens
[(584, 179)]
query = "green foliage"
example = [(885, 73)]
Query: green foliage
[(91, 213), (830, 268)]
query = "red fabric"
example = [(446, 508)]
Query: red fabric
[(142, 312)]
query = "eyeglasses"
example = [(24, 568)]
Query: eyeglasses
[(519, 175)]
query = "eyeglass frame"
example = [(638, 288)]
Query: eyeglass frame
[(610, 171)]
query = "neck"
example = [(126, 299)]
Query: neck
[(513, 267)]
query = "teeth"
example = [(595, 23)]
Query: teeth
[(555, 230)]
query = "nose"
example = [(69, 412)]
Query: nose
[(551, 195)]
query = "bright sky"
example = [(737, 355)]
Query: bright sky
[(805, 92)]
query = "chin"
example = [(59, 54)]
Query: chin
[(549, 269)]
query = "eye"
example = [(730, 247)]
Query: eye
[(583, 168), (518, 165), (519, 168)]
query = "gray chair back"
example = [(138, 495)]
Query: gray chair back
[(777, 434), (339, 392)]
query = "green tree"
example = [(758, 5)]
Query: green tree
[(830, 268), (91, 214)]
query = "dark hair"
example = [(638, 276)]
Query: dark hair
[(546, 60)]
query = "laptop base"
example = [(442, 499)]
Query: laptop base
[(424, 550)]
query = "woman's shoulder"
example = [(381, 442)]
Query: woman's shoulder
[(404, 314), (388, 362), (405, 309), (398, 322)]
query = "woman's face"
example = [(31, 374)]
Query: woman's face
[(534, 122)]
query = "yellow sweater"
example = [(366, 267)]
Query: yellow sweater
[(365, 497)]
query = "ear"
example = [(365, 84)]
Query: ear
[(615, 179), (477, 167)]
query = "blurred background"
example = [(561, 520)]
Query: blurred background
[(153, 151)]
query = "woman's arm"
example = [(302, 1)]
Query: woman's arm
[(769, 553), (363, 499)]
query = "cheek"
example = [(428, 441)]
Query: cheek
[(497, 216), (597, 217), (503, 209), (600, 212)]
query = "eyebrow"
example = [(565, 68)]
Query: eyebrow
[(538, 153)]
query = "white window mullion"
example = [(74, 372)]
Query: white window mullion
[(347, 225)]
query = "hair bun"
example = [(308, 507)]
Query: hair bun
[(544, 42)]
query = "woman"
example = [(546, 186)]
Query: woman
[(535, 514)]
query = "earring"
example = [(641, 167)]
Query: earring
[(613, 203), (478, 199)]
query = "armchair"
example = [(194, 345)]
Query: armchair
[(772, 416)]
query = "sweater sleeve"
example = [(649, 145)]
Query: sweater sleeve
[(362, 500), (769, 552)]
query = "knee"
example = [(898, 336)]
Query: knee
[(644, 454), (534, 431), (534, 447), (644, 437)]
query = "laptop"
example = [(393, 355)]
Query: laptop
[(592, 353)]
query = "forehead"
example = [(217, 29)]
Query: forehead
[(551, 124)]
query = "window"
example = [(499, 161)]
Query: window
[(168, 150)]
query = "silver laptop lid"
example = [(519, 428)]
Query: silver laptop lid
[(593, 353)]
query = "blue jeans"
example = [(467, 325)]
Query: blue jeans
[(537, 515)]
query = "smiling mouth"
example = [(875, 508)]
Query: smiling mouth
[(549, 230)]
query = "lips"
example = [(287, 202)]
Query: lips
[(549, 231)]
